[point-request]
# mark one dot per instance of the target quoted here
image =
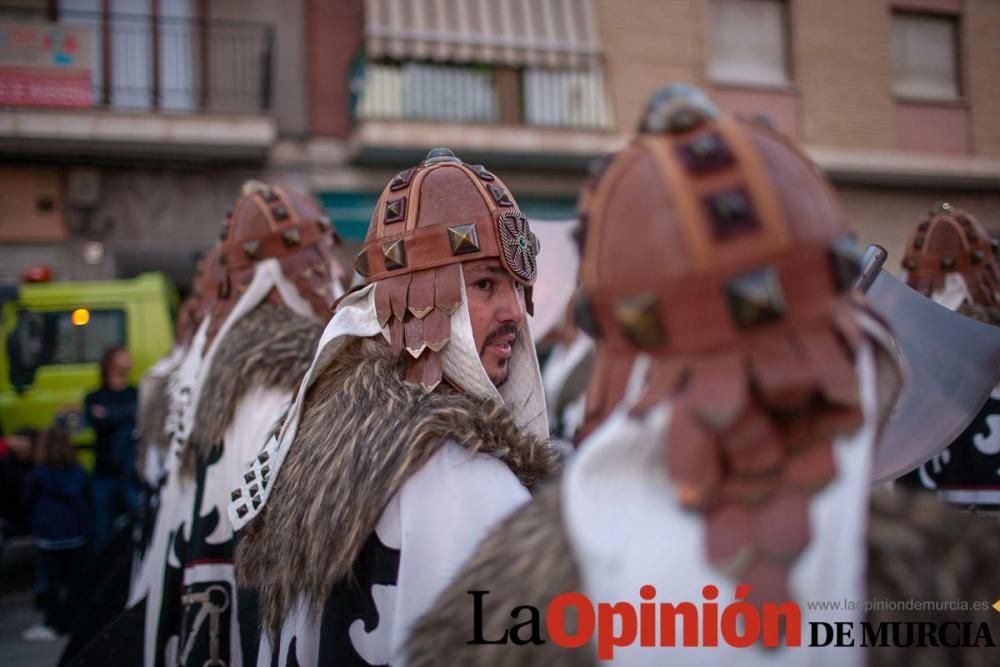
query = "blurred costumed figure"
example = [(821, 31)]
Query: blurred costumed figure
[(739, 386), (420, 424), (951, 258), (266, 290), (102, 591)]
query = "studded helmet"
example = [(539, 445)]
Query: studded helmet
[(950, 241), (429, 219), (270, 222), (715, 248)]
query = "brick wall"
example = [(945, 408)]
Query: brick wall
[(980, 30), (648, 43), (842, 69), (334, 33)]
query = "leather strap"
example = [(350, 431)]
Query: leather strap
[(429, 248)]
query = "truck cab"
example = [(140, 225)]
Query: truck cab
[(52, 337)]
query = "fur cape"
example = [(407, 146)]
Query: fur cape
[(918, 548), (364, 431), (151, 416), (270, 347)]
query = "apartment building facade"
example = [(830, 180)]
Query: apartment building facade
[(892, 98)]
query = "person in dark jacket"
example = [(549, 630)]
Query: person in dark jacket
[(58, 493), (111, 412)]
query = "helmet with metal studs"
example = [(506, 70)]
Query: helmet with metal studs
[(429, 219), (270, 222), (950, 241), (716, 250)]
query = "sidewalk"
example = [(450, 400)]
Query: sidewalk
[(17, 614)]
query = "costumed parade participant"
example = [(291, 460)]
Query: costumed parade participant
[(952, 259), (567, 359), (267, 289), (420, 424), (103, 591), (740, 383)]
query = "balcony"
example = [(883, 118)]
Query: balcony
[(117, 85), (502, 81)]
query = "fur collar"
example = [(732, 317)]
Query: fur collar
[(918, 549), (363, 432), (269, 347)]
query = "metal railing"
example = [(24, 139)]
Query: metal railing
[(159, 63), (568, 98)]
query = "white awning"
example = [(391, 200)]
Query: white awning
[(557, 33)]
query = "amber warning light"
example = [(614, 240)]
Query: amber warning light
[(80, 316)]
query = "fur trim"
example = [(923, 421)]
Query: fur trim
[(985, 314), (526, 560), (269, 347), (363, 432), (151, 417), (919, 548)]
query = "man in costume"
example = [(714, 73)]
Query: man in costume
[(420, 424), (267, 289), (952, 259), (103, 590), (739, 386)]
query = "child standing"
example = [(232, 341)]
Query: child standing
[(58, 493)]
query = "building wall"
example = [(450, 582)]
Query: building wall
[(841, 67), (886, 216), (335, 33), (289, 93), (980, 30), (646, 44)]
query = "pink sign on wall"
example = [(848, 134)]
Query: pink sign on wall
[(44, 65)]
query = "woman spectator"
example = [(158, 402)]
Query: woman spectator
[(111, 412), (58, 493)]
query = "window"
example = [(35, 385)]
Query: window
[(748, 42), (925, 56), (52, 338)]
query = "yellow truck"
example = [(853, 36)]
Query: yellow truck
[(53, 336)]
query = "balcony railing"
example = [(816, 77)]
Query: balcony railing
[(157, 63), (528, 96)]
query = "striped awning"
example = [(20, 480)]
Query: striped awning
[(555, 33)]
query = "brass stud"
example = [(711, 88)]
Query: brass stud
[(947, 262), (500, 195), (362, 265), (290, 237), (253, 489), (241, 511), (279, 213), (395, 210), (755, 298), (251, 249), (256, 502), (978, 257), (263, 457), (401, 180), (639, 318), (464, 239), (236, 495), (395, 255), (249, 476), (918, 242), (911, 263), (482, 172)]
